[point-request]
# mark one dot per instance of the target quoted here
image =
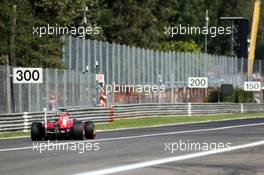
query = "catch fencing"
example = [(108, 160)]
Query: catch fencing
[(132, 65), (22, 121), (122, 65), (69, 88)]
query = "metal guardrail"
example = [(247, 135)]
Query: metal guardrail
[(22, 121)]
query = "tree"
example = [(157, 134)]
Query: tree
[(31, 50), (131, 22)]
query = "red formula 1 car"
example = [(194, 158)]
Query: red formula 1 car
[(63, 127)]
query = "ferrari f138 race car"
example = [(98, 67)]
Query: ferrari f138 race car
[(62, 127)]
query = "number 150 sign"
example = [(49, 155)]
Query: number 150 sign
[(27, 75)]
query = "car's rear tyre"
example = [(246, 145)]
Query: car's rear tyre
[(37, 131), (78, 131), (90, 132)]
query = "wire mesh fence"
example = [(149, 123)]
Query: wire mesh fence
[(59, 88), (122, 65), (131, 65)]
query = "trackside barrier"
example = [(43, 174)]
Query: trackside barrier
[(189, 109), (242, 108), (22, 121), (26, 123)]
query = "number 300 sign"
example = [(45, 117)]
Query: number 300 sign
[(27, 75)]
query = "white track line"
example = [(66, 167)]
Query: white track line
[(139, 136), (170, 159)]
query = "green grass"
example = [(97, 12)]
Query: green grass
[(14, 134), (152, 121)]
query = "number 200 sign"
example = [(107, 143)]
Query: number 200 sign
[(27, 75), (198, 82)]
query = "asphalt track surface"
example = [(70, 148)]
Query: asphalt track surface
[(117, 149)]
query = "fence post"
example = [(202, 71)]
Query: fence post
[(8, 90), (20, 92), (65, 97), (172, 87), (26, 121), (113, 72), (189, 109), (29, 98), (47, 87), (242, 108)]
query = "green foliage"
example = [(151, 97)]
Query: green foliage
[(3, 59), (131, 22), (4, 31), (62, 12), (260, 50), (241, 96), (183, 46), (31, 50), (213, 96), (238, 96)]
